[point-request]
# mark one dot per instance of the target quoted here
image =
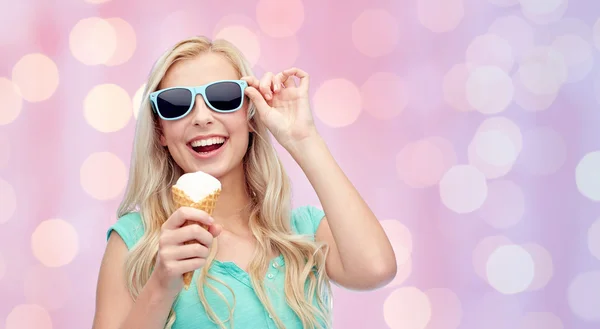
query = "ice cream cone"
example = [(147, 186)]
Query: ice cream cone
[(207, 204)]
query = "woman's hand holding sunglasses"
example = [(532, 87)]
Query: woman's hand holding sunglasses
[(283, 105)]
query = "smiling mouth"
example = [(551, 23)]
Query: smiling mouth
[(206, 146)]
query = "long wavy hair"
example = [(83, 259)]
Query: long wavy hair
[(153, 171)]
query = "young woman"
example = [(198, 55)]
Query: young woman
[(204, 110)]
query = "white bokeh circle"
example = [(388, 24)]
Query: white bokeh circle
[(593, 238), (510, 269), (543, 70), (463, 189), (407, 308), (577, 54), (483, 250), (544, 266), (490, 50), (495, 147), (587, 175), (583, 296), (489, 89), (516, 31)]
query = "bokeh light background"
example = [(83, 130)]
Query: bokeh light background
[(469, 126)]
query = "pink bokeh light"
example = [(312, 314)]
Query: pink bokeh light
[(28, 316), (335, 111), (446, 309), (440, 15), (407, 307), (126, 41), (244, 39), (454, 87), (280, 18), (385, 95), (278, 54), (375, 22), (36, 76), (103, 175), (490, 50), (422, 163), (93, 41), (54, 242), (12, 101), (107, 108)]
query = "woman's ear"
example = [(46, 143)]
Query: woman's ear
[(250, 140), (251, 127)]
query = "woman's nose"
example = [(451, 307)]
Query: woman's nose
[(202, 114)]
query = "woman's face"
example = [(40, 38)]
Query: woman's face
[(188, 139)]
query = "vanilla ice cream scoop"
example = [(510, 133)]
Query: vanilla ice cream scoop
[(198, 185)]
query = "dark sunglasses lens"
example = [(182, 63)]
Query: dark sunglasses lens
[(174, 102), (224, 96)]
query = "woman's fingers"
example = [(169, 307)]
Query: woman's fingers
[(266, 85), (273, 83), (289, 74)]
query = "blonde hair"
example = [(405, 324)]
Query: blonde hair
[(153, 172)]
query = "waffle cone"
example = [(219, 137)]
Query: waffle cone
[(208, 204)]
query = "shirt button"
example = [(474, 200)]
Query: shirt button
[(275, 265), (270, 275)]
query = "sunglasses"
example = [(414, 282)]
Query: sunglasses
[(223, 96)]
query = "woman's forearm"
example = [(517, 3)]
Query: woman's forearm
[(352, 223), (151, 308)]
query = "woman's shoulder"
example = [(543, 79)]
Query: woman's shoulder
[(130, 228), (305, 219)]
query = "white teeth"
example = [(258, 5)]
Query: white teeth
[(208, 141)]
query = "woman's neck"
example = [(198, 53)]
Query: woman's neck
[(232, 208)]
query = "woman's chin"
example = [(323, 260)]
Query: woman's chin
[(216, 167), (214, 170)]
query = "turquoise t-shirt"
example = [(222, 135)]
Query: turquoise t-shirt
[(249, 312)]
